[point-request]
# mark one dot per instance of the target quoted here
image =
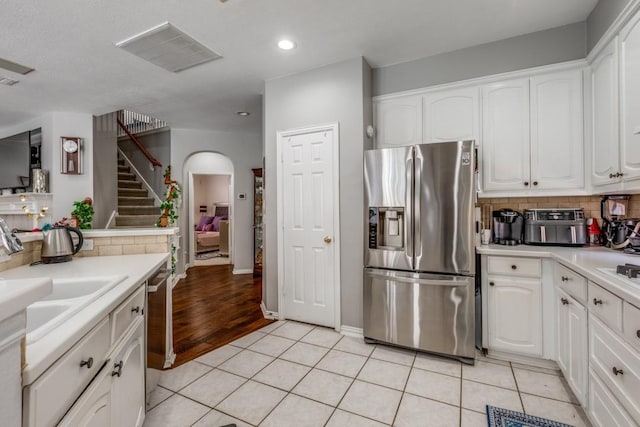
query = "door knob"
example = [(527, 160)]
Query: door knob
[(327, 239)]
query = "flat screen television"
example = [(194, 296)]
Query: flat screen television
[(15, 161)]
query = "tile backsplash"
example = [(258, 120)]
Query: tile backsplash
[(102, 246), (590, 204)]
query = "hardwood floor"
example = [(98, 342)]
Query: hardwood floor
[(213, 307)]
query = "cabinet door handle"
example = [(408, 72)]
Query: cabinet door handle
[(638, 333), (88, 363), (118, 367), (611, 176), (565, 279), (535, 183), (617, 371), (597, 301), (135, 309), (526, 183), (564, 301), (493, 284), (514, 267), (619, 174)]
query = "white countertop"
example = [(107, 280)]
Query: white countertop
[(16, 295), (42, 353), (116, 232), (586, 261)]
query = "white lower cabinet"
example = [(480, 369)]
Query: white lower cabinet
[(94, 408), (127, 388), (100, 380), (515, 315), (572, 344), (604, 409)]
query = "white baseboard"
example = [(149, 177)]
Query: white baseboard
[(351, 331), (268, 314), (243, 271), (525, 360)]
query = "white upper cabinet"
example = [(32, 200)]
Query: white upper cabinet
[(398, 121), (605, 158), (630, 99), (505, 135), (557, 156), (451, 115)]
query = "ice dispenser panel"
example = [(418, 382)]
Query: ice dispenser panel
[(386, 228)]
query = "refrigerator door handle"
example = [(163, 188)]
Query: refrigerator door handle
[(409, 210), (420, 278), (414, 183)]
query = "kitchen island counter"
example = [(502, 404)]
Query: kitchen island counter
[(45, 351)]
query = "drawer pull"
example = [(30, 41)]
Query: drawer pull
[(565, 278), (514, 267), (617, 371), (88, 363), (526, 183), (597, 301), (117, 372), (564, 301), (136, 309), (638, 333), (493, 284)]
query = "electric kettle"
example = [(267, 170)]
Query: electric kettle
[(57, 244)]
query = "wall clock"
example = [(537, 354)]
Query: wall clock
[(71, 161)]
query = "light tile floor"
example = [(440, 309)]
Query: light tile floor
[(294, 374)]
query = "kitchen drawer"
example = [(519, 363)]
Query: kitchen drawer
[(49, 397), (571, 282), (511, 266), (604, 409), (631, 324), (606, 306), (123, 316), (617, 364)]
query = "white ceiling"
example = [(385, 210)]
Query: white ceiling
[(71, 44)]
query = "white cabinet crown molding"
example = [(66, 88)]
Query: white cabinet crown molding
[(629, 10), (484, 80)]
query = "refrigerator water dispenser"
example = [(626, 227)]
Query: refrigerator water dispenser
[(386, 228)]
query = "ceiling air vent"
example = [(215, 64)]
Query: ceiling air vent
[(169, 48), (16, 68), (7, 81)]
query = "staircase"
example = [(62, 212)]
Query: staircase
[(135, 207)]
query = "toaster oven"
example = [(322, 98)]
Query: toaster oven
[(555, 227)]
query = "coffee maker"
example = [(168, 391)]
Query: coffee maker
[(507, 227), (618, 231)]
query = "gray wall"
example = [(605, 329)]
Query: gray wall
[(159, 145), (105, 168), (602, 16), (244, 151), (551, 46), (335, 93)]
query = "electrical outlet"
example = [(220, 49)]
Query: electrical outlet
[(87, 245)]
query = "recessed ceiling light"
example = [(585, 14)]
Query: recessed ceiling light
[(285, 44), (243, 113)]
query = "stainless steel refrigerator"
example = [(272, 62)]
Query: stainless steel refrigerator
[(419, 284)]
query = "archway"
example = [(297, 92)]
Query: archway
[(206, 163)]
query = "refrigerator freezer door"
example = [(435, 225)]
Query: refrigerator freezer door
[(388, 177), (444, 207), (428, 312)]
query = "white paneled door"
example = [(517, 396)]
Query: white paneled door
[(308, 206)]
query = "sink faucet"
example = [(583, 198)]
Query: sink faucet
[(9, 240)]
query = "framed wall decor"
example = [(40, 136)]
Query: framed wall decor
[(71, 160)]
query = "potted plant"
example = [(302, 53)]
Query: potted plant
[(169, 207), (82, 213)]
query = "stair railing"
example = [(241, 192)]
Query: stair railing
[(154, 162), (156, 199)]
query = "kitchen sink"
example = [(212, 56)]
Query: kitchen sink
[(79, 287), (68, 297)]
